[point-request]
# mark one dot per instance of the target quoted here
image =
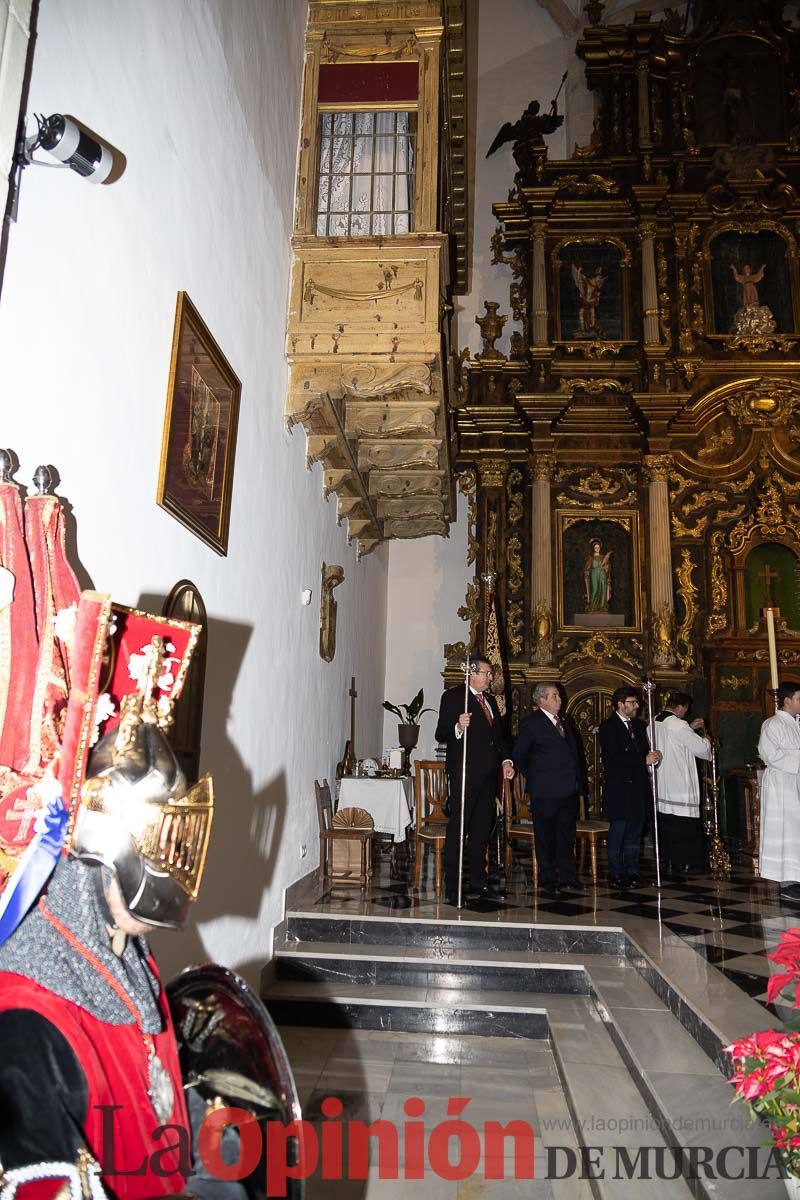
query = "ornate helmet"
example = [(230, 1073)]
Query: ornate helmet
[(136, 814)]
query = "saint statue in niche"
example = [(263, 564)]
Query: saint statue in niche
[(589, 287), (597, 578), (748, 281)]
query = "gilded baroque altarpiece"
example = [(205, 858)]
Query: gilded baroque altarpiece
[(639, 441)]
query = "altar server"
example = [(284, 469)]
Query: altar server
[(779, 749), (681, 744)]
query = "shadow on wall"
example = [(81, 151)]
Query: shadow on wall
[(247, 831)]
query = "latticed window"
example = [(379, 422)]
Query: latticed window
[(366, 173)]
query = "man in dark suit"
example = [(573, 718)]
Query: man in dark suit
[(487, 747), (548, 755), (626, 784)]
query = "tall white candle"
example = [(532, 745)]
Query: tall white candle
[(773, 653)]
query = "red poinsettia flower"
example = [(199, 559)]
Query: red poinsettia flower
[(787, 952)]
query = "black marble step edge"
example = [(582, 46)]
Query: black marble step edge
[(695, 1024), (408, 1018), (435, 972), (447, 935), (698, 1028), (658, 1110)]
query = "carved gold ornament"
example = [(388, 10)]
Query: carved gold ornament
[(717, 618), (688, 594), (542, 634), (657, 467), (587, 185), (734, 682), (470, 611), (599, 647), (514, 561), (593, 386), (766, 403), (663, 632), (468, 486), (514, 624), (515, 502), (683, 531), (494, 473), (594, 349), (544, 466), (383, 291)]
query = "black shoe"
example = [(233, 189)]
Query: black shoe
[(451, 898), (473, 893), (618, 882), (550, 889), (575, 886), (493, 891), (790, 891), (633, 881)]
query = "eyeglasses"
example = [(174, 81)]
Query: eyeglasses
[(489, 673)]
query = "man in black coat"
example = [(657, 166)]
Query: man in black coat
[(548, 755), (487, 748), (626, 784)]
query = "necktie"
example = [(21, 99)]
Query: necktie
[(559, 726), (487, 712), (629, 728)]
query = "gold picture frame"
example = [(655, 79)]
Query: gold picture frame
[(198, 446), (575, 530)]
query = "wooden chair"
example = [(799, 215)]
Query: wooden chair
[(518, 822), (591, 830), (430, 795), (337, 862)]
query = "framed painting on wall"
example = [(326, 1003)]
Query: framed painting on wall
[(198, 446), (598, 571)]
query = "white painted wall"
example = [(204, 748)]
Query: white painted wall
[(427, 586), (202, 96)]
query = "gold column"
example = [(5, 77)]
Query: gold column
[(652, 332), (542, 566), (539, 287), (662, 608)]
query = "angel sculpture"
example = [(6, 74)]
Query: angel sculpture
[(528, 132), (589, 288)]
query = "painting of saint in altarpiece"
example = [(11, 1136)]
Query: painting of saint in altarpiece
[(598, 571), (750, 276), (591, 292)]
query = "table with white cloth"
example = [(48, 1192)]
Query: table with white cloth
[(390, 802)]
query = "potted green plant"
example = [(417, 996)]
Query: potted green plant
[(408, 729)]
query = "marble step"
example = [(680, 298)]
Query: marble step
[(427, 967), (462, 932), (688, 1098), (402, 1009)]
